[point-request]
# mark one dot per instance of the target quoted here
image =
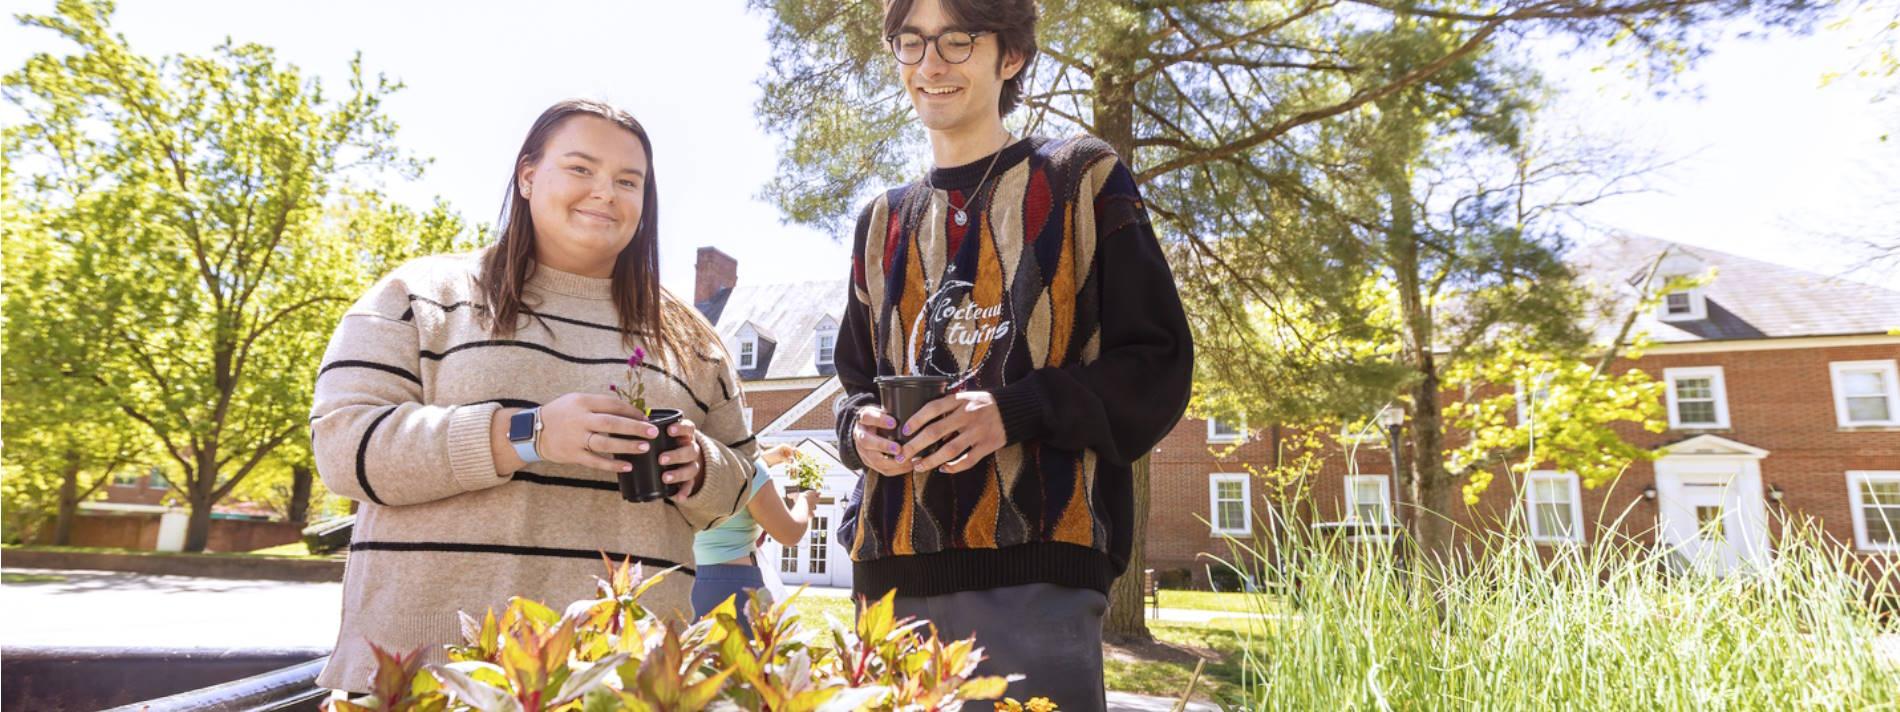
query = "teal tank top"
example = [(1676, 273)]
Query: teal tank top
[(733, 538)]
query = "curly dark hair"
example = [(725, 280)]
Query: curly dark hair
[(1013, 21)]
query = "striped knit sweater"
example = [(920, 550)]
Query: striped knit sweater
[(1055, 297), (404, 401)]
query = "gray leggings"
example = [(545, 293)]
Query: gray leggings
[(1050, 634)]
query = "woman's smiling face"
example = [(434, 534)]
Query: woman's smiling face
[(586, 194)]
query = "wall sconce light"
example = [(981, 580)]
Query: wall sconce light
[(1774, 493), (1649, 493)]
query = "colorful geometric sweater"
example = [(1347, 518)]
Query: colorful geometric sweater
[(1055, 298)]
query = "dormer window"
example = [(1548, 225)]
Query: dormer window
[(1687, 305), (827, 346), (749, 352)]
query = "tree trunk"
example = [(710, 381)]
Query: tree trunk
[(1114, 114), (198, 490), (300, 476), (68, 502), (1127, 621)]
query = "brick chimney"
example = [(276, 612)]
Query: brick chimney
[(715, 271)]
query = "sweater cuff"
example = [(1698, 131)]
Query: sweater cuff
[(847, 417), (1020, 404), (471, 461)]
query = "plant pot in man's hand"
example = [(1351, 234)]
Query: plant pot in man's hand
[(903, 396), (643, 483)]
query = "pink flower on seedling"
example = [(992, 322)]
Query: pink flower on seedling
[(635, 393)]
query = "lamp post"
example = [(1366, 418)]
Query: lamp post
[(1393, 418)]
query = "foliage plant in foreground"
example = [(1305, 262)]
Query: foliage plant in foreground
[(611, 653)]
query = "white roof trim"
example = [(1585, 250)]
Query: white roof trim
[(1712, 446), (818, 395)]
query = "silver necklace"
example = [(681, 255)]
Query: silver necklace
[(962, 218)]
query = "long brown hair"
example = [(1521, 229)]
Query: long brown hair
[(671, 327)]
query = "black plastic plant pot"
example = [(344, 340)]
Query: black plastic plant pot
[(643, 482), (903, 396)]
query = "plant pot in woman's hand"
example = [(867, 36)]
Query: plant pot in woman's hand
[(643, 483)]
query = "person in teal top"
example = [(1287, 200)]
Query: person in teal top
[(727, 555)]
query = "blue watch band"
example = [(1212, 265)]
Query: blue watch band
[(525, 447)]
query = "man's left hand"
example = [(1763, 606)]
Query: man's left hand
[(968, 425)]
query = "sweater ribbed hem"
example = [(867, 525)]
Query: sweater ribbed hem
[(983, 569), (1020, 405), (471, 462)]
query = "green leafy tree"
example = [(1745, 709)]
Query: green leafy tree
[(1253, 129), (203, 195), (64, 441)]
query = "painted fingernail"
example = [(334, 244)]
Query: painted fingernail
[(642, 447), (900, 458), (906, 430), (624, 467)]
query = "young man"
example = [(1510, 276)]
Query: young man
[(1025, 270)]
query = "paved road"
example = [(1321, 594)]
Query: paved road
[(111, 609)]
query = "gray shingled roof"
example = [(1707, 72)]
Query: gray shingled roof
[(1748, 299), (790, 313)]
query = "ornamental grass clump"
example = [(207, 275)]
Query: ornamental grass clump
[(1612, 624)]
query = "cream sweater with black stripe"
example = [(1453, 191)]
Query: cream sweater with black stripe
[(404, 400)]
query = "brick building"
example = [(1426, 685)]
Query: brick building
[(1784, 399)]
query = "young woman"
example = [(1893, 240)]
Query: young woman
[(463, 401), (727, 554)]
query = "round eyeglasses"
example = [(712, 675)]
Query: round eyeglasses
[(954, 46)]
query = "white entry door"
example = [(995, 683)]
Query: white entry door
[(813, 560), (1706, 522)]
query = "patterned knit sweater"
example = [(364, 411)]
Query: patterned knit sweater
[(404, 400), (1055, 297)]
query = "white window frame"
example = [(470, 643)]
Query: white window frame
[(1890, 375), (127, 477), (1856, 507), (1698, 307), (1385, 496), (748, 359), (1213, 436), (819, 350), (157, 480), (1717, 386), (1539, 394), (1576, 506), (1214, 482)]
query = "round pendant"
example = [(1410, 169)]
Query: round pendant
[(962, 218)]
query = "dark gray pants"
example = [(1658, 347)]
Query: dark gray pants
[(1050, 634)]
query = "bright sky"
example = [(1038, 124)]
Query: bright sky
[(1769, 161)]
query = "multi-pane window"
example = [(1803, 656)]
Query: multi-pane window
[(1866, 392), (1684, 306), (827, 346), (1698, 397), (1224, 431), (748, 353), (1368, 499), (816, 538), (1875, 496), (125, 478), (1228, 503), (156, 479), (1551, 501)]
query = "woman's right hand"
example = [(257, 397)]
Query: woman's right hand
[(577, 428), (878, 452)]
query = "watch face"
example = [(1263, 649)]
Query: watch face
[(521, 426)]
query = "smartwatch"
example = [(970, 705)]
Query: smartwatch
[(524, 432)]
